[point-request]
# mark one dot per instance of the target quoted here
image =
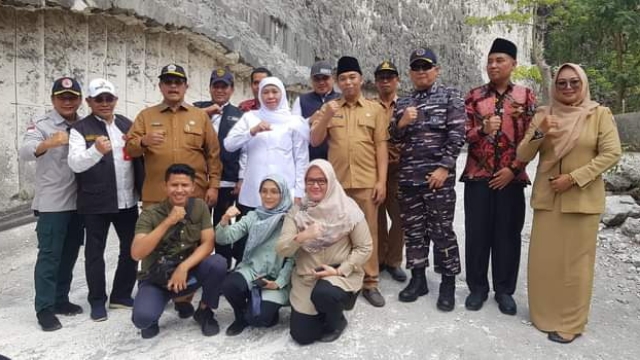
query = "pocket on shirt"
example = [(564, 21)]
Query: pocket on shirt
[(437, 122), (193, 136), (366, 129), (337, 128)]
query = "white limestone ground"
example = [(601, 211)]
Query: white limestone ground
[(397, 331)]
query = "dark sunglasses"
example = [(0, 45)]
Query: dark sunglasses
[(385, 77), (564, 84), (105, 98), (421, 67), (174, 81), (67, 97)]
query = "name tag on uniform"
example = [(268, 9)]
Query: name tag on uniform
[(338, 116), (233, 118), (155, 124), (90, 138)]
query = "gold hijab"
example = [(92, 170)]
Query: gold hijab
[(571, 118)]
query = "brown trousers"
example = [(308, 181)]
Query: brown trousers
[(390, 240), (364, 200)]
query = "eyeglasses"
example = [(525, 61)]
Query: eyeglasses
[(564, 84), (170, 82), (67, 97), (106, 98), (421, 67), (319, 182)]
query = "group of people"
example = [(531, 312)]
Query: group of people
[(300, 196)]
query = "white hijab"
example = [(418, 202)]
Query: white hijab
[(281, 115)]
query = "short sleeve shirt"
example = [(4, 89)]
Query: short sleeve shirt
[(199, 219)]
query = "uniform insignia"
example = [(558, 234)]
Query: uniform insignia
[(191, 122), (66, 83), (367, 114), (220, 72), (233, 118), (420, 52), (171, 67), (90, 137), (156, 124), (385, 65)]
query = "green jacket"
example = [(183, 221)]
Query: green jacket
[(264, 260)]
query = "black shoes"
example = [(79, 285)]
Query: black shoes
[(185, 309), (150, 332), (98, 311), (475, 300), (236, 327), (351, 302), (555, 337), (335, 334), (447, 298), (68, 309), (208, 323), (506, 304), (126, 303), (374, 297), (48, 320), (397, 273), (417, 286)]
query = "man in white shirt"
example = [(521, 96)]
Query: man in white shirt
[(107, 194)]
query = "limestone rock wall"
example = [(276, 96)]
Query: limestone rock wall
[(128, 41)]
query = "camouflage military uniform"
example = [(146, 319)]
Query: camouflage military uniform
[(432, 141)]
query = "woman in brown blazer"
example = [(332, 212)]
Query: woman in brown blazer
[(577, 140), (330, 241)]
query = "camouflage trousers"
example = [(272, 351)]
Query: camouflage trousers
[(427, 216)]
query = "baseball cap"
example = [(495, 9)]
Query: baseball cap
[(221, 75), (321, 67), (66, 85), (424, 54), (101, 86), (173, 69), (386, 66)]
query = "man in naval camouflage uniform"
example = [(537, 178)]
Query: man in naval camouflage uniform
[(428, 128)]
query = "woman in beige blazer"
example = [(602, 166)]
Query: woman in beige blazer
[(330, 241), (577, 140)]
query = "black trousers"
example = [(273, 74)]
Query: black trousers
[(97, 229), (237, 292), (493, 227), (330, 302), (235, 250)]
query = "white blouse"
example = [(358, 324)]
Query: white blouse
[(282, 150)]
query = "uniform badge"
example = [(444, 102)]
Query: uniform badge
[(156, 124), (420, 52), (171, 67), (191, 122), (66, 83), (220, 72)]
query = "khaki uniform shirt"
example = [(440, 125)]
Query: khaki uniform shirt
[(353, 133), (394, 153), (152, 216), (189, 139)]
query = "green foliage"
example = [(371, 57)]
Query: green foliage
[(527, 73)]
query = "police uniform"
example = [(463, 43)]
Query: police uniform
[(434, 140), (59, 228)]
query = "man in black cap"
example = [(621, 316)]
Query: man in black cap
[(357, 137), (428, 127), (498, 115), (223, 117), (307, 104), (60, 231), (390, 240), (256, 76)]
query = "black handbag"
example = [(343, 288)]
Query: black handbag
[(163, 268)]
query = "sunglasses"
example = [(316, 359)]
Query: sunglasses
[(385, 77), (176, 82), (421, 67), (105, 98), (319, 182), (67, 97), (564, 84)]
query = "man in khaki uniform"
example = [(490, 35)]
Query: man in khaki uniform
[(357, 135), (176, 132), (390, 240)]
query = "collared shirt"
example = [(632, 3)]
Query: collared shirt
[(394, 152), (55, 187), (199, 219), (82, 159), (434, 139), (189, 139), (354, 132), (250, 104), (488, 154)]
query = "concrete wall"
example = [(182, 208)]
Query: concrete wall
[(128, 41)]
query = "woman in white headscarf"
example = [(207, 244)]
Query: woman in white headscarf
[(276, 142), (577, 140), (330, 241)]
